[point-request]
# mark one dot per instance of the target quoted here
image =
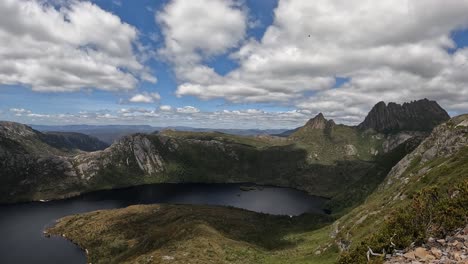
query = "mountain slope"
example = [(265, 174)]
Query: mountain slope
[(425, 194), (73, 141), (31, 166), (321, 158)]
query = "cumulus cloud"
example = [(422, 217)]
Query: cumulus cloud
[(19, 111), (67, 47), (187, 110), (196, 28), (145, 97), (390, 50), (165, 108), (199, 29)]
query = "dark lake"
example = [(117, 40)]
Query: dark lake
[(21, 225)]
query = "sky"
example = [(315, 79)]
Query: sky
[(227, 63)]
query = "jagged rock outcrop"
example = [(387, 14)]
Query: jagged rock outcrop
[(422, 115), (444, 141), (136, 152), (15, 130), (451, 249), (319, 122), (394, 140)]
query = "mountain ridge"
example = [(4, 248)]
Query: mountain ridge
[(420, 115), (424, 196), (312, 159)]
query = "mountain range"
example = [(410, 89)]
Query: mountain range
[(380, 169), (321, 157), (111, 133)]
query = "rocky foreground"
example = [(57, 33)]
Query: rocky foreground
[(451, 249)]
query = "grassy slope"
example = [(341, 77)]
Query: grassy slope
[(347, 179), (197, 234), (330, 145), (382, 209), (200, 234)]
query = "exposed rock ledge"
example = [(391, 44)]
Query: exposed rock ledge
[(451, 249)]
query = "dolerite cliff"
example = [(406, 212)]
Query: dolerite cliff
[(422, 115), (130, 155)]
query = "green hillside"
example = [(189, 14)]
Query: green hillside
[(425, 194)]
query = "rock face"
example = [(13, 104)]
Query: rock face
[(15, 130), (319, 122), (445, 140), (135, 153), (422, 115)]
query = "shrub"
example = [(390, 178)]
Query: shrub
[(118, 246), (430, 213)]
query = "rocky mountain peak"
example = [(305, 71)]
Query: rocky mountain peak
[(421, 115), (318, 122), (13, 129)]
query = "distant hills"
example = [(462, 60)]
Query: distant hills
[(111, 133), (73, 140), (421, 115)]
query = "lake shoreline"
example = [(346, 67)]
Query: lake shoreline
[(22, 234), (78, 194)]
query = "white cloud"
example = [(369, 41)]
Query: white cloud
[(19, 111), (38, 115), (145, 97), (67, 48), (187, 110), (165, 108), (199, 29), (391, 50)]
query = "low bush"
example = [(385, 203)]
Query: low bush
[(432, 212)]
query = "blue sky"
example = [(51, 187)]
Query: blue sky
[(250, 63)]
